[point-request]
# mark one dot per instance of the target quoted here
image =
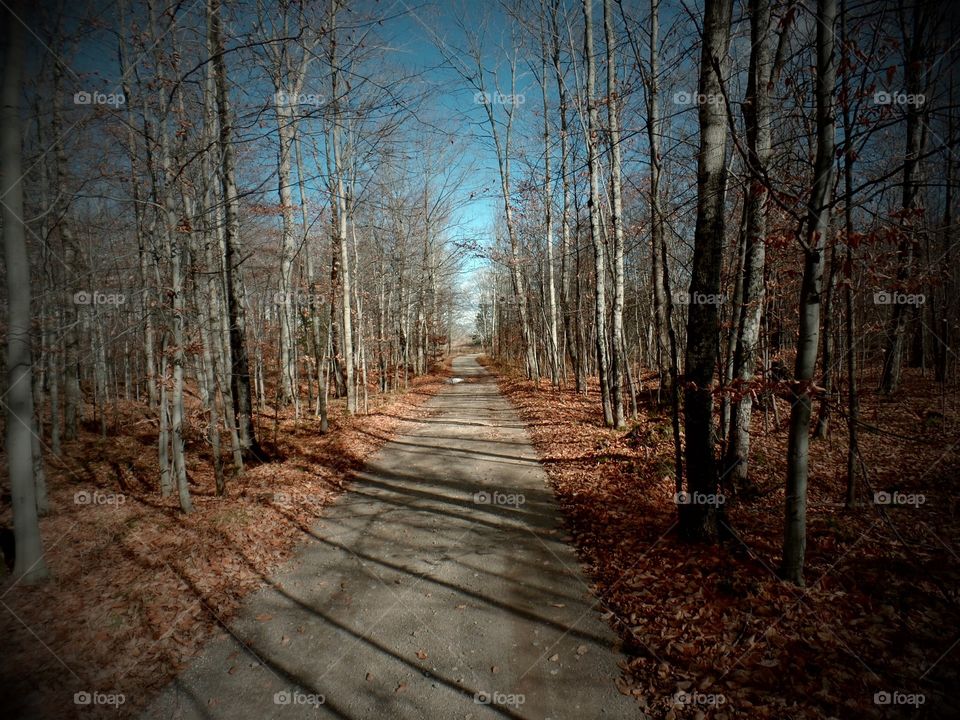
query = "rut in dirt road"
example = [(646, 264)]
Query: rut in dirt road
[(439, 586)]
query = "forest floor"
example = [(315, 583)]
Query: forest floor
[(711, 631), (137, 588)]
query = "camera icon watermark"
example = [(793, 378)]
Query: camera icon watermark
[(498, 698), (481, 97), (95, 97), (883, 97), (681, 297), (514, 500), (98, 297), (884, 297), (299, 298), (289, 499), (886, 697), (283, 98), (683, 697), (97, 497), (898, 498), (685, 97), (96, 697), (295, 697), (699, 498)]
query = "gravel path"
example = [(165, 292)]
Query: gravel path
[(438, 586)]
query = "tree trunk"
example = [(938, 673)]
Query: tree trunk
[(757, 120), (822, 428), (573, 347), (174, 245), (699, 517), (618, 358), (288, 244), (600, 297), (73, 398), (317, 341), (341, 247), (29, 565), (657, 268), (555, 358), (240, 366), (914, 72), (853, 397), (818, 221)]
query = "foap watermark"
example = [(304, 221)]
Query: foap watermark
[(96, 697), (295, 697), (98, 497), (897, 97), (884, 297), (482, 497), (696, 98), (898, 498), (481, 97), (499, 698), (98, 297), (285, 98), (699, 498), (296, 297), (98, 98), (886, 697), (698, 298), (684, 697), (289, 499)]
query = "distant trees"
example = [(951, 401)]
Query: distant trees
[(256, 211), (716, 303), (200, 265)]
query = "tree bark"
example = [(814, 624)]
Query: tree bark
[(599, 251), (573, 347), (757, 121), (658, 268), (699, 518), (29, 565), (818, 223), (618, 358), (240, 366), (73, 398), (341, 247), (555, 358), (914, 72)]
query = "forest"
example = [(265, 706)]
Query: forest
[(455, 358)]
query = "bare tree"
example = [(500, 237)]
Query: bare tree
[(29, 566), (915, 73), (340, 203), (757, 120), (236, 320), (818, 225), (596, 233), (618, 356), (699, 517), (288, 59)]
